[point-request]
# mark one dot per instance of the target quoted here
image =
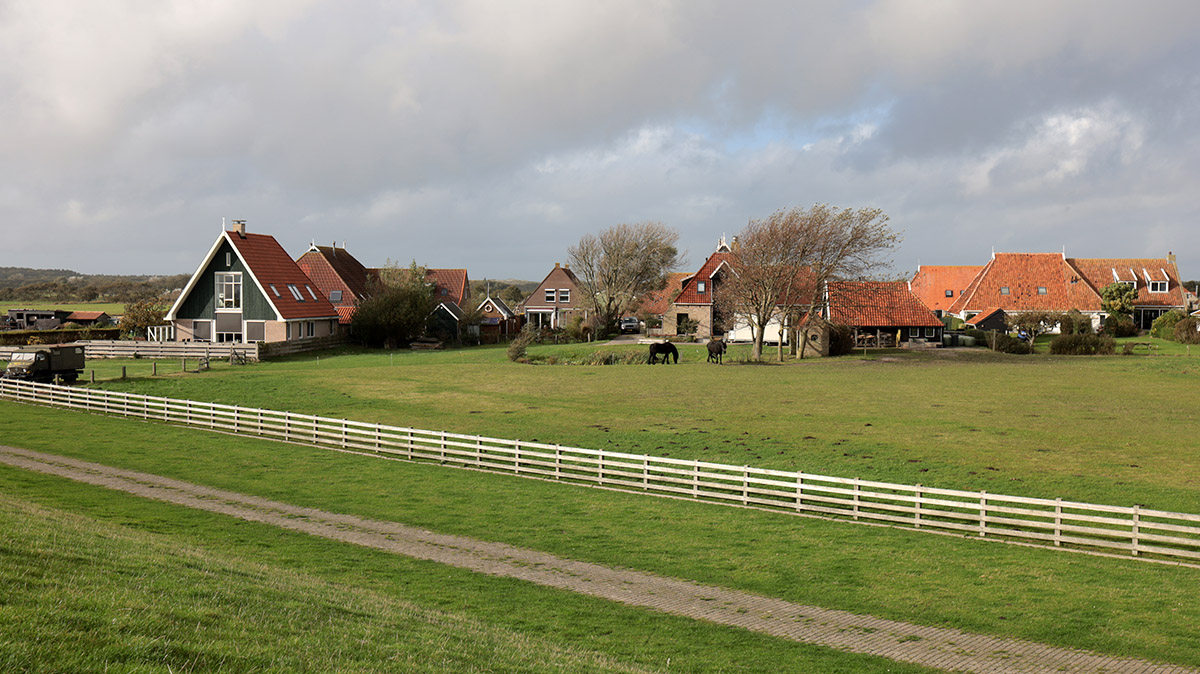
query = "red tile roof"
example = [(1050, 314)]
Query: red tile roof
[(1028, 282), (931, 282), (452, 281), (85, 315), (270, 265), (345, 314), (658, 301), (333, 269), (878, 304), (690, 293), (1101, 272)]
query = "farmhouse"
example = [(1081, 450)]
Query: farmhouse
[(338, 275), (556, 300), (939, 286), (882, 313), (248, 289)]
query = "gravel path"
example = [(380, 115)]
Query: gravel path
[(936, 647)]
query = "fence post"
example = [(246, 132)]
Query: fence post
[(1137, 521), (410, 444), (982, 513), (442, 450), (695, 480), (154, 369), (122, 372), (600, 468), (558, 462), (1058, 522), (517, 457), (479, 454), (799, 493), (856, 498), (917, 507), (183, 364), (645, 473), (745, 485), (287, 425), (93, 376)]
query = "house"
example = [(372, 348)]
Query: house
[(556, 301), (1021, 282), (498, 320), (445, 323), (89, 318), (449, 285), (881, 312), (938, 286), (338, 275), (248, 289), (989, 319), (695, 305), (655, 304)]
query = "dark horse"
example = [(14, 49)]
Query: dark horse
[(664, 349), (716, 349)]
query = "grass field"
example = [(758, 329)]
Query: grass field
[(1116, 430), (112, 309), (1102, 429)]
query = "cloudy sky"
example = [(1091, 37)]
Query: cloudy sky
[(492, 135)]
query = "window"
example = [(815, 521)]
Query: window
[(487, 308), (564, 295), (311, 294), (295, 292), (312, 329), (1158, 286), (228, 259), (1041, 290), (700, 287), (931, 332), (914, 332), (1003, 290), (289, 330), (229, 290), (274, 289), (550, 295), (335, 296), (949, 293)]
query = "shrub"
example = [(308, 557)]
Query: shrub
[(1082, 345), (952, 322), (574, 329), (1075, 323), (686, 326), (1187, 331), (1009, 344), (1163, 327), (1119, 325), (517, 347), (841, 340)]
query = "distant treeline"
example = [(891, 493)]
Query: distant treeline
[(19, 284)]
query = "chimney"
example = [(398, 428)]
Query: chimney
[(556, 265), (1171, 257), (239, 227), (734, 246)]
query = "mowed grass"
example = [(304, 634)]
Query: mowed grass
[(110, 308), (1116, 606), (99, 581), (1117, 429)]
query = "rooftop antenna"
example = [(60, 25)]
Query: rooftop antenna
[(222, 224)]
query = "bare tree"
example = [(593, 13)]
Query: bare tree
[(782, 263), (623, 263)]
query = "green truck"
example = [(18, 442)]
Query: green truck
[(44, 363)]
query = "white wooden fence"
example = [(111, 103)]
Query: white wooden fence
[(134, 349), (1051, 522)]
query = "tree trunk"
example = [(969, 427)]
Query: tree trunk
[(756, 351), (781, 340)]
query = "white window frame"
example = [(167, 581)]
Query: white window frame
[(930, 333), (551, 295), (1042, 290), (1159, 286), (227, 280), (914, 332), (564, 295), (700, 287)]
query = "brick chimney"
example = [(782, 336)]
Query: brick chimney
[(239, 226)]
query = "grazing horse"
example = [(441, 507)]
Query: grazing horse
[(716, 349), (664, 349)]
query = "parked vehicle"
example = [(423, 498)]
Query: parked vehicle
[(630, 325), (44, 363)]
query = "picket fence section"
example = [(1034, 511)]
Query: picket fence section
[(1131, 530)]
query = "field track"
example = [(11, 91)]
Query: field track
[(928, 646)]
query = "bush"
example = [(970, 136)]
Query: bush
[(1009, 344), (1083, 345), (1187, 331), (575, 329), (1163, 327), (1075, 323), (952, 322), (1119, 325), (841, 340), (517, 347), (686, 327)]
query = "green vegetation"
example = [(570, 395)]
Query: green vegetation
[(110, 308), (1117, 606)]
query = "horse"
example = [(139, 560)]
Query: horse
[(664, 349), (716, 349)]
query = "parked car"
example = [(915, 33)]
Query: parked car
[(630, 325)]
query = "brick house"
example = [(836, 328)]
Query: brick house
[(556, 301), (498, 320), (695, 301), (248, 289)]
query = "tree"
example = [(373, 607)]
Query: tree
[(781, 264), (1030, 324), (512, 295), (623, 263), (398, 307), (1118, 298), (141, 315)]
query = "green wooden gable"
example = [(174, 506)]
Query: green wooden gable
[(200, 302)]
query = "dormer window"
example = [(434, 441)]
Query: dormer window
[(1003, 290), (1158, 286), (700, 287)]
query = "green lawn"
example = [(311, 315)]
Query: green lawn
[(1113, 429), (110, 308), (1117, 606)]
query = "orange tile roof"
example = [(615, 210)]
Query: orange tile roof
[(1028, 282), (983, 315), (878, 304), (85, 315), (931, 282), (345, 314), (271, 265), (690, 293), (658, 301), (1101, 272)]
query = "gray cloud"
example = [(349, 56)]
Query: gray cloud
[(493, 135)]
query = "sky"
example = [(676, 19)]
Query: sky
[(494, 135)]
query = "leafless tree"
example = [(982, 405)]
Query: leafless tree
[(623, 263), (781, 264)]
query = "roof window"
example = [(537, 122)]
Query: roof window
[(1041, 290), (310, 292), (949, 293), (335, 296), (700, 287), (1003, 290), (295, 292), (274, 289)]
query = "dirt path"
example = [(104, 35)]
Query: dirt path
[(941, 648)]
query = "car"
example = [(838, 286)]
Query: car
[(630, 324)]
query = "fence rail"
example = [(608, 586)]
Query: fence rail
[(135, 349), (1132, 530)]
